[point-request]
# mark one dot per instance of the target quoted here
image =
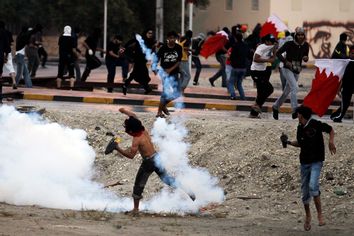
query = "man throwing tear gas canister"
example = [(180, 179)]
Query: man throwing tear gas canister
[(141, 143)]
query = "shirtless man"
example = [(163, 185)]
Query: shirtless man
[(142, 143)]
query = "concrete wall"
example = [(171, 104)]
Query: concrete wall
[(215, 16), (323, 20)]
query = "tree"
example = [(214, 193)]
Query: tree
[(124, 16)]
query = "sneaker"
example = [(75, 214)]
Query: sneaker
[(254, 114), (256, 108), (294, 115), (211, 82), (275, 114), (337, 120), (124, 88)]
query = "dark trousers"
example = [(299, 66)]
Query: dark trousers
[(198, 67), (147, 167), (264, 87), (140, 74), (65, 63), (43, 55), (221, 72), (111, 68), (347, 93)]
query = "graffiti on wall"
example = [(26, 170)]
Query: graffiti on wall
[(324, 35)]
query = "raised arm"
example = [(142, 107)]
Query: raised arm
[(127, 112)]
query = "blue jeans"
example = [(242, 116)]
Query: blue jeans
[(310, 176), (290, 88), (22, 70), (185, 74), (237, 75)]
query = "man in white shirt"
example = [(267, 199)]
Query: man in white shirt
[(260, 72)]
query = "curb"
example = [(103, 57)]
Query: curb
[(155, 103)]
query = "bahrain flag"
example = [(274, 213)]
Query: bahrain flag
[(325, 86), (214, 44), (273, 26)]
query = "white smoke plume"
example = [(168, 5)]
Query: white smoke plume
[(50, 165), (173, 153)]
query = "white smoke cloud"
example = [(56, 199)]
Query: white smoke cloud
[(50, 165), (47, 164), (173, 153)]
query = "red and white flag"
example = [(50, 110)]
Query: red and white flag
[(273, 26), (324, 87), (214, 44)]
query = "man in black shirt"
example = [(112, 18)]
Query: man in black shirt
[(115, 57), (296, 52), (137, 62), (310, 140), (92, 62), (170, 56), (66, 56), (341, 49)]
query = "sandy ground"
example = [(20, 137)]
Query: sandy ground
[(259, 177)]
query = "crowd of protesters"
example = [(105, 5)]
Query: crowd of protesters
[(243, 54)]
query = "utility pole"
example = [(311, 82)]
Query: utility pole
[(182, 17), (159, 20), (105, 26)]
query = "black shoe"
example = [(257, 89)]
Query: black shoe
[(14, 86), (294, 115), (232, 98), (195, 83), (148, 91), (275, 114), (254, 114), (124, 88), (337, 120), (334, 114), (211, 82)]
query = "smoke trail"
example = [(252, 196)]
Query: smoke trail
[(49, 165), (147, 51), (174, 158), (168, 82)]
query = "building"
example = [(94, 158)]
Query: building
[(323, 20)]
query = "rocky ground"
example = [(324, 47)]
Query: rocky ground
[(260, 179)]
